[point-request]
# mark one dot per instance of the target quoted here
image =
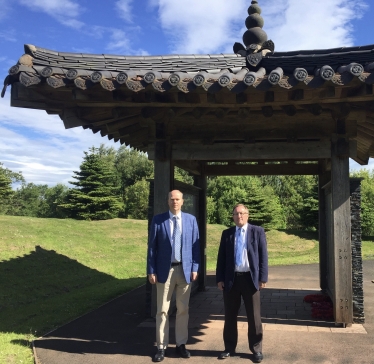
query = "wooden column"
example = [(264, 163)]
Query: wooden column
[(341, 232), (163, 184), (164, 177), (201, 182), (323, 179)]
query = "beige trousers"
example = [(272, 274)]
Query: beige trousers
[(176, 281)]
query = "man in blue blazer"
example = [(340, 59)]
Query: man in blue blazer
[(242, 271), (172, 264)]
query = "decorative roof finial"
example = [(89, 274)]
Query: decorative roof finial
[(254, 24), (255, 38)]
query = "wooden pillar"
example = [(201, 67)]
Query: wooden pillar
[(201, 182), (164, 177), (323, 179), (163, 184), (341, 232)]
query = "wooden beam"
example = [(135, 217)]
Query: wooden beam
[(239, 151), (123, 123), (262, 170), (129, 130), (71, 120), (368, 128), (193, 167)]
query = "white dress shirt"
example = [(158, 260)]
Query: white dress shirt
[(245, 265)]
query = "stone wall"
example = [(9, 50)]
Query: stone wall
[(356, 243)]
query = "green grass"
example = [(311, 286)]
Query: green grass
[(55, 270)]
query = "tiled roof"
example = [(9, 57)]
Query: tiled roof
[(211, 72)]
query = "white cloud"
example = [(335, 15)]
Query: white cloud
[(213, 26), (353, 166), (124, 9), (65, 11), (4, 9), (121, 43), (37, 144), (67, 8), (118, 41), (291, 27), (206, 26), (8, 35)]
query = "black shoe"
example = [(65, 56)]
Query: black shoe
[(182, 351), (226, 354), (257, 357), (160, 355)]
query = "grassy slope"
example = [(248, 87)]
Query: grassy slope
[(55, 270)]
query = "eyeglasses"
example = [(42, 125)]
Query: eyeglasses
[(240, 213)]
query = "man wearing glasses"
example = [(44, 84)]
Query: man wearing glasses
[(242, 271)]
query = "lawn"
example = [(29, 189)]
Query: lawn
[(55, 270)]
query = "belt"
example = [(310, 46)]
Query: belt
[(175, 264), (241, 273)]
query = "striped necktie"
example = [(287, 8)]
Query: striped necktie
[(239, 247), (177, 239)]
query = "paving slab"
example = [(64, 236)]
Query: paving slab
[(119, 331)]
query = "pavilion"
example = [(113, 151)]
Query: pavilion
[(252, 112)]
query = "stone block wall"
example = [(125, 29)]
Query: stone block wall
[(356, 243)]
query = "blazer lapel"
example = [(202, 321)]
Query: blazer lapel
[(184, 227), (249, 239), (232, 237), (167, 227)]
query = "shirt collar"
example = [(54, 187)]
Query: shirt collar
[(245, 227), (171, 215)]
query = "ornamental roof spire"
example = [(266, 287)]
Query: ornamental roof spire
[(254, 23), (255, 38)]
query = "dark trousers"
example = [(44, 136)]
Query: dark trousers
[(242, 287)]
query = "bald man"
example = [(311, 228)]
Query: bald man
[(172, 265)]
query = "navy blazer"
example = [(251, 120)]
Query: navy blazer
[(160, 246), (257, 256)]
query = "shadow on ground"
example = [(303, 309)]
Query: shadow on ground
[(42, 290)]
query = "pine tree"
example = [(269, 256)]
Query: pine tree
[(95, 196), (263, 204), (5, 190), (5, 185)]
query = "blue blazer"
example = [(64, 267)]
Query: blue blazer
[(257, 256), (160, 246)]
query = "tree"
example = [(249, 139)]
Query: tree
[(136, 200), (15, 177), (28, 200), (309, 211), (131, 166), (55, 196), (367, 201), (96, 194), (298, 196), (263, 204), (5, 189)]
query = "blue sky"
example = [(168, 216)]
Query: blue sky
[(38, 145)]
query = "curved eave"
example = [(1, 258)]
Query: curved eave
[(314, 79)]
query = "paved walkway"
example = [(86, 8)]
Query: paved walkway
[(118, 332)]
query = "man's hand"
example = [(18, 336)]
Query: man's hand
[(152, 278), (194, 276), (221, 286), (261, 285)]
